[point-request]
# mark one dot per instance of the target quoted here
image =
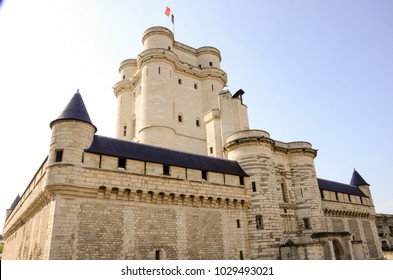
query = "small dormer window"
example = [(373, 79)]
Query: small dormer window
[(121, 163), (165, 169), (210, 63), (204, 175)]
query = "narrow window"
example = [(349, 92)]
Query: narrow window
[(241, 180), (179, 81), (204, 175), (306, 222), (179, 118), (259, 222), (99, 163), (159, 70), (59, 155), (158, 255), (200, 66), (210, 63), (121, 163), (83, 158), (212, 87), (349, 198), (165, 169), (238, 223), (361, 199), (241, 255), (169, 48), (211, 150), (133, 127), (197, 123), (124, 76), (336, 196), (125, 130), (322, 195), (284, 192), (254, 186), (195, 86)]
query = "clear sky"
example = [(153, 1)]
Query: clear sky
[(316, 71)]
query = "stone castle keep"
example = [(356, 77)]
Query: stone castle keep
[(185, 177)]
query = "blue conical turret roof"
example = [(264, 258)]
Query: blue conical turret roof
[(15, 202), (357, 180), (75, 110)]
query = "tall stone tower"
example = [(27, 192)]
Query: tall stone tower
[(284, 209), (172, 96)]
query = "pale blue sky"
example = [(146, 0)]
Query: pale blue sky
[(316, 71)]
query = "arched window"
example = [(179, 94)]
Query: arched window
[(284, 190), (338, 251)]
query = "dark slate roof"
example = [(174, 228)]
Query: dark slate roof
[(16, 200), (75, 110), (357, 180), (131, 150), (339, 187)]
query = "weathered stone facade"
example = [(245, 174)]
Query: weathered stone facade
[(385, 231), (231, 193)]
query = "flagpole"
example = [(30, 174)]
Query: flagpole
[(173, 24)]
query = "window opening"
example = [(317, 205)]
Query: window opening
[(59, 155), (306, 222), (165, 169), (204, 175), (121, 163), (259, 222), (158, 255), (254, 186)]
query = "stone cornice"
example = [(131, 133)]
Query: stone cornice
[(143, 195), (38, 203), (346, 213), (180, 66), (273, 145)]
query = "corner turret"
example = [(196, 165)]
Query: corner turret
[(72, 133), (359, 182)]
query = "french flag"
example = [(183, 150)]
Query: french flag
[(169, 14)]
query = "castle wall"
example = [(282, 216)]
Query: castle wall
[(357, 219), (27, 230), (116, 229), (120, 214)]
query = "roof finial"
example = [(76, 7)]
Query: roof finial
[(77, 91)]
